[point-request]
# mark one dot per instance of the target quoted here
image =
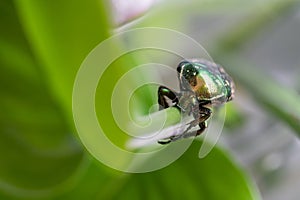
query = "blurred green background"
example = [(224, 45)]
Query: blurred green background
[(43, 43)]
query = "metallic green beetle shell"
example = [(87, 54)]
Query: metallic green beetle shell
[(206, 79)]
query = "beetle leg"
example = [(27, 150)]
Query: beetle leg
[(165, 141), (163, 93), (202, 126), (204, 102), (201, 116), (171, 139), (204, 113)]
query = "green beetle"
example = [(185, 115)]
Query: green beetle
[(203, 84)]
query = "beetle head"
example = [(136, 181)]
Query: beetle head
[(187, 73)]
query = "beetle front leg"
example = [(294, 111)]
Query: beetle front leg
[(164, 92), (204, 113)]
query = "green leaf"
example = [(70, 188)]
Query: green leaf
[(214, 177), (35, 142), (61, 35)]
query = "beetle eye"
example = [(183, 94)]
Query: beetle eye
[(179, 69), (180, 65)]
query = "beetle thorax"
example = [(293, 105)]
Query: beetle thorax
[(200, 88)]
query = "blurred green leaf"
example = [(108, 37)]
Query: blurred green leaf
[(35, 141), (214, 177), (62, 33)]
